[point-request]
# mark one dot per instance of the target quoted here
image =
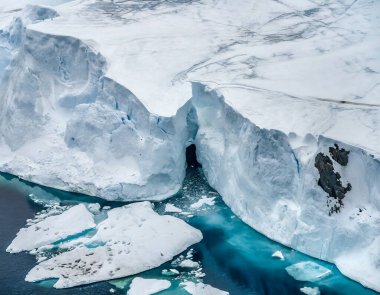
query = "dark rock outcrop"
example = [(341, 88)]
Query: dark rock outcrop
[(339, 155), (330, 182)]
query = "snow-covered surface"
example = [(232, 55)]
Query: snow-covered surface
[(202, 289), (308, 271), (141, 286), (52, 229), (131, 240), (103, 89)]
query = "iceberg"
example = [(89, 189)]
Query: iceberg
[(132, 239), (201, 289), (310, 291), (110, 109), (308, 271), (140, 286)]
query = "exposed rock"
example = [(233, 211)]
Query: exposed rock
[(339, 155), (330, 182)]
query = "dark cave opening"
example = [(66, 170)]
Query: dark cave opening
[(191, 156)]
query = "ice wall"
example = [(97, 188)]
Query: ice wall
[(64, 124), (270, 181)]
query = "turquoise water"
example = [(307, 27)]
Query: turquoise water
[(233, 256)]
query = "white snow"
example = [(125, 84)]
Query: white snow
[(308, 271), (310, 290), (131, 240), (141, 286), (52, 229), (278, 254), (202, 289)]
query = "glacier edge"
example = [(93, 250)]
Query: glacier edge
[(90, 134)]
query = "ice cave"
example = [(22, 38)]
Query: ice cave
[(204, 147)]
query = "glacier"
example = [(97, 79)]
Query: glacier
[(103, 97)]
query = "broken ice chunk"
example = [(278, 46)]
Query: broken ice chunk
[(187, 263), (308, 271), (278, 254), (310, 291), (203, 201), (140, 286), (54, 228), (133, 239), (170, 208), (171, 272), (202, 289)]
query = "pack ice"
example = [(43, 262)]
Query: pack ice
[(281, 100), (132, 239)]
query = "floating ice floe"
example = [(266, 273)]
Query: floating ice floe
[(278, 254), (308, 271), (170, 208), (170, 272), (140, 286), (310, 291), (187, 263), (133, 238), (54, 228), (202, 289), (203, 201)]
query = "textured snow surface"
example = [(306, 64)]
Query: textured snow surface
[(140, 286), (96, 97), (52, 229), (131, 240)]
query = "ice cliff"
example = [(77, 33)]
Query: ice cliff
[(95, 97)]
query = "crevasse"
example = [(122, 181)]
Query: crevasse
[(66, 125)]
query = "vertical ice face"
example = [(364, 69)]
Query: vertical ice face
[(240, 158), (55, 88), (270, 181)]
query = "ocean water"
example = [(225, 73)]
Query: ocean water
[(233, 256)]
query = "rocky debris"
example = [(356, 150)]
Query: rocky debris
[(339, 155), (330, 182)]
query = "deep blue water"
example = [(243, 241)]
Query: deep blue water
[(234, 257)]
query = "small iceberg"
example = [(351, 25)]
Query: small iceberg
[(170, 208), (202, 289), (140, 286), (278, 254), (308, 271), (310, 291)]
